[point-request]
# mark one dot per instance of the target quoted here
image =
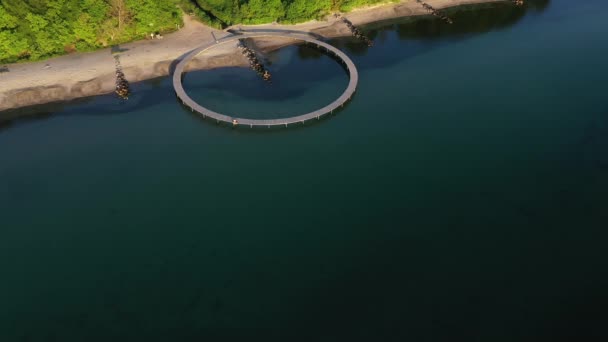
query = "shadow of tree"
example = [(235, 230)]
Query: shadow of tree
[(117, 49)]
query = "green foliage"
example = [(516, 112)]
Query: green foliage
[(348, 5), (230, 12), (302, 10), (261, 11), (7, 21), (36, 29), (190, 7), (153, 15)]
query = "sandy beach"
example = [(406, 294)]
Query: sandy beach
[(88, 74)]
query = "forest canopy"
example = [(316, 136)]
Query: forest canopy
[(35, 29), (229, 12)]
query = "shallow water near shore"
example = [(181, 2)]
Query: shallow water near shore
[(461, 195)]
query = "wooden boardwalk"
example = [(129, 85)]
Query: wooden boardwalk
[(234, 120)]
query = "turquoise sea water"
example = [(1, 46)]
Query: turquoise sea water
[(461, 196)]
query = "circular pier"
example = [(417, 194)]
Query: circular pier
[(234, 120)]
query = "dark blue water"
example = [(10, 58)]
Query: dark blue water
[(461, 196)]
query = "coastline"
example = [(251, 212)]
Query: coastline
[(88, 74)]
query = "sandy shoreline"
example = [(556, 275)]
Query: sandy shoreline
[(88, 74)]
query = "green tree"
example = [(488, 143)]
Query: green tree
[(301, 10), (37, 23), (262, 11), (35, 29), (151, 15), (84, 30), (7, 21)]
